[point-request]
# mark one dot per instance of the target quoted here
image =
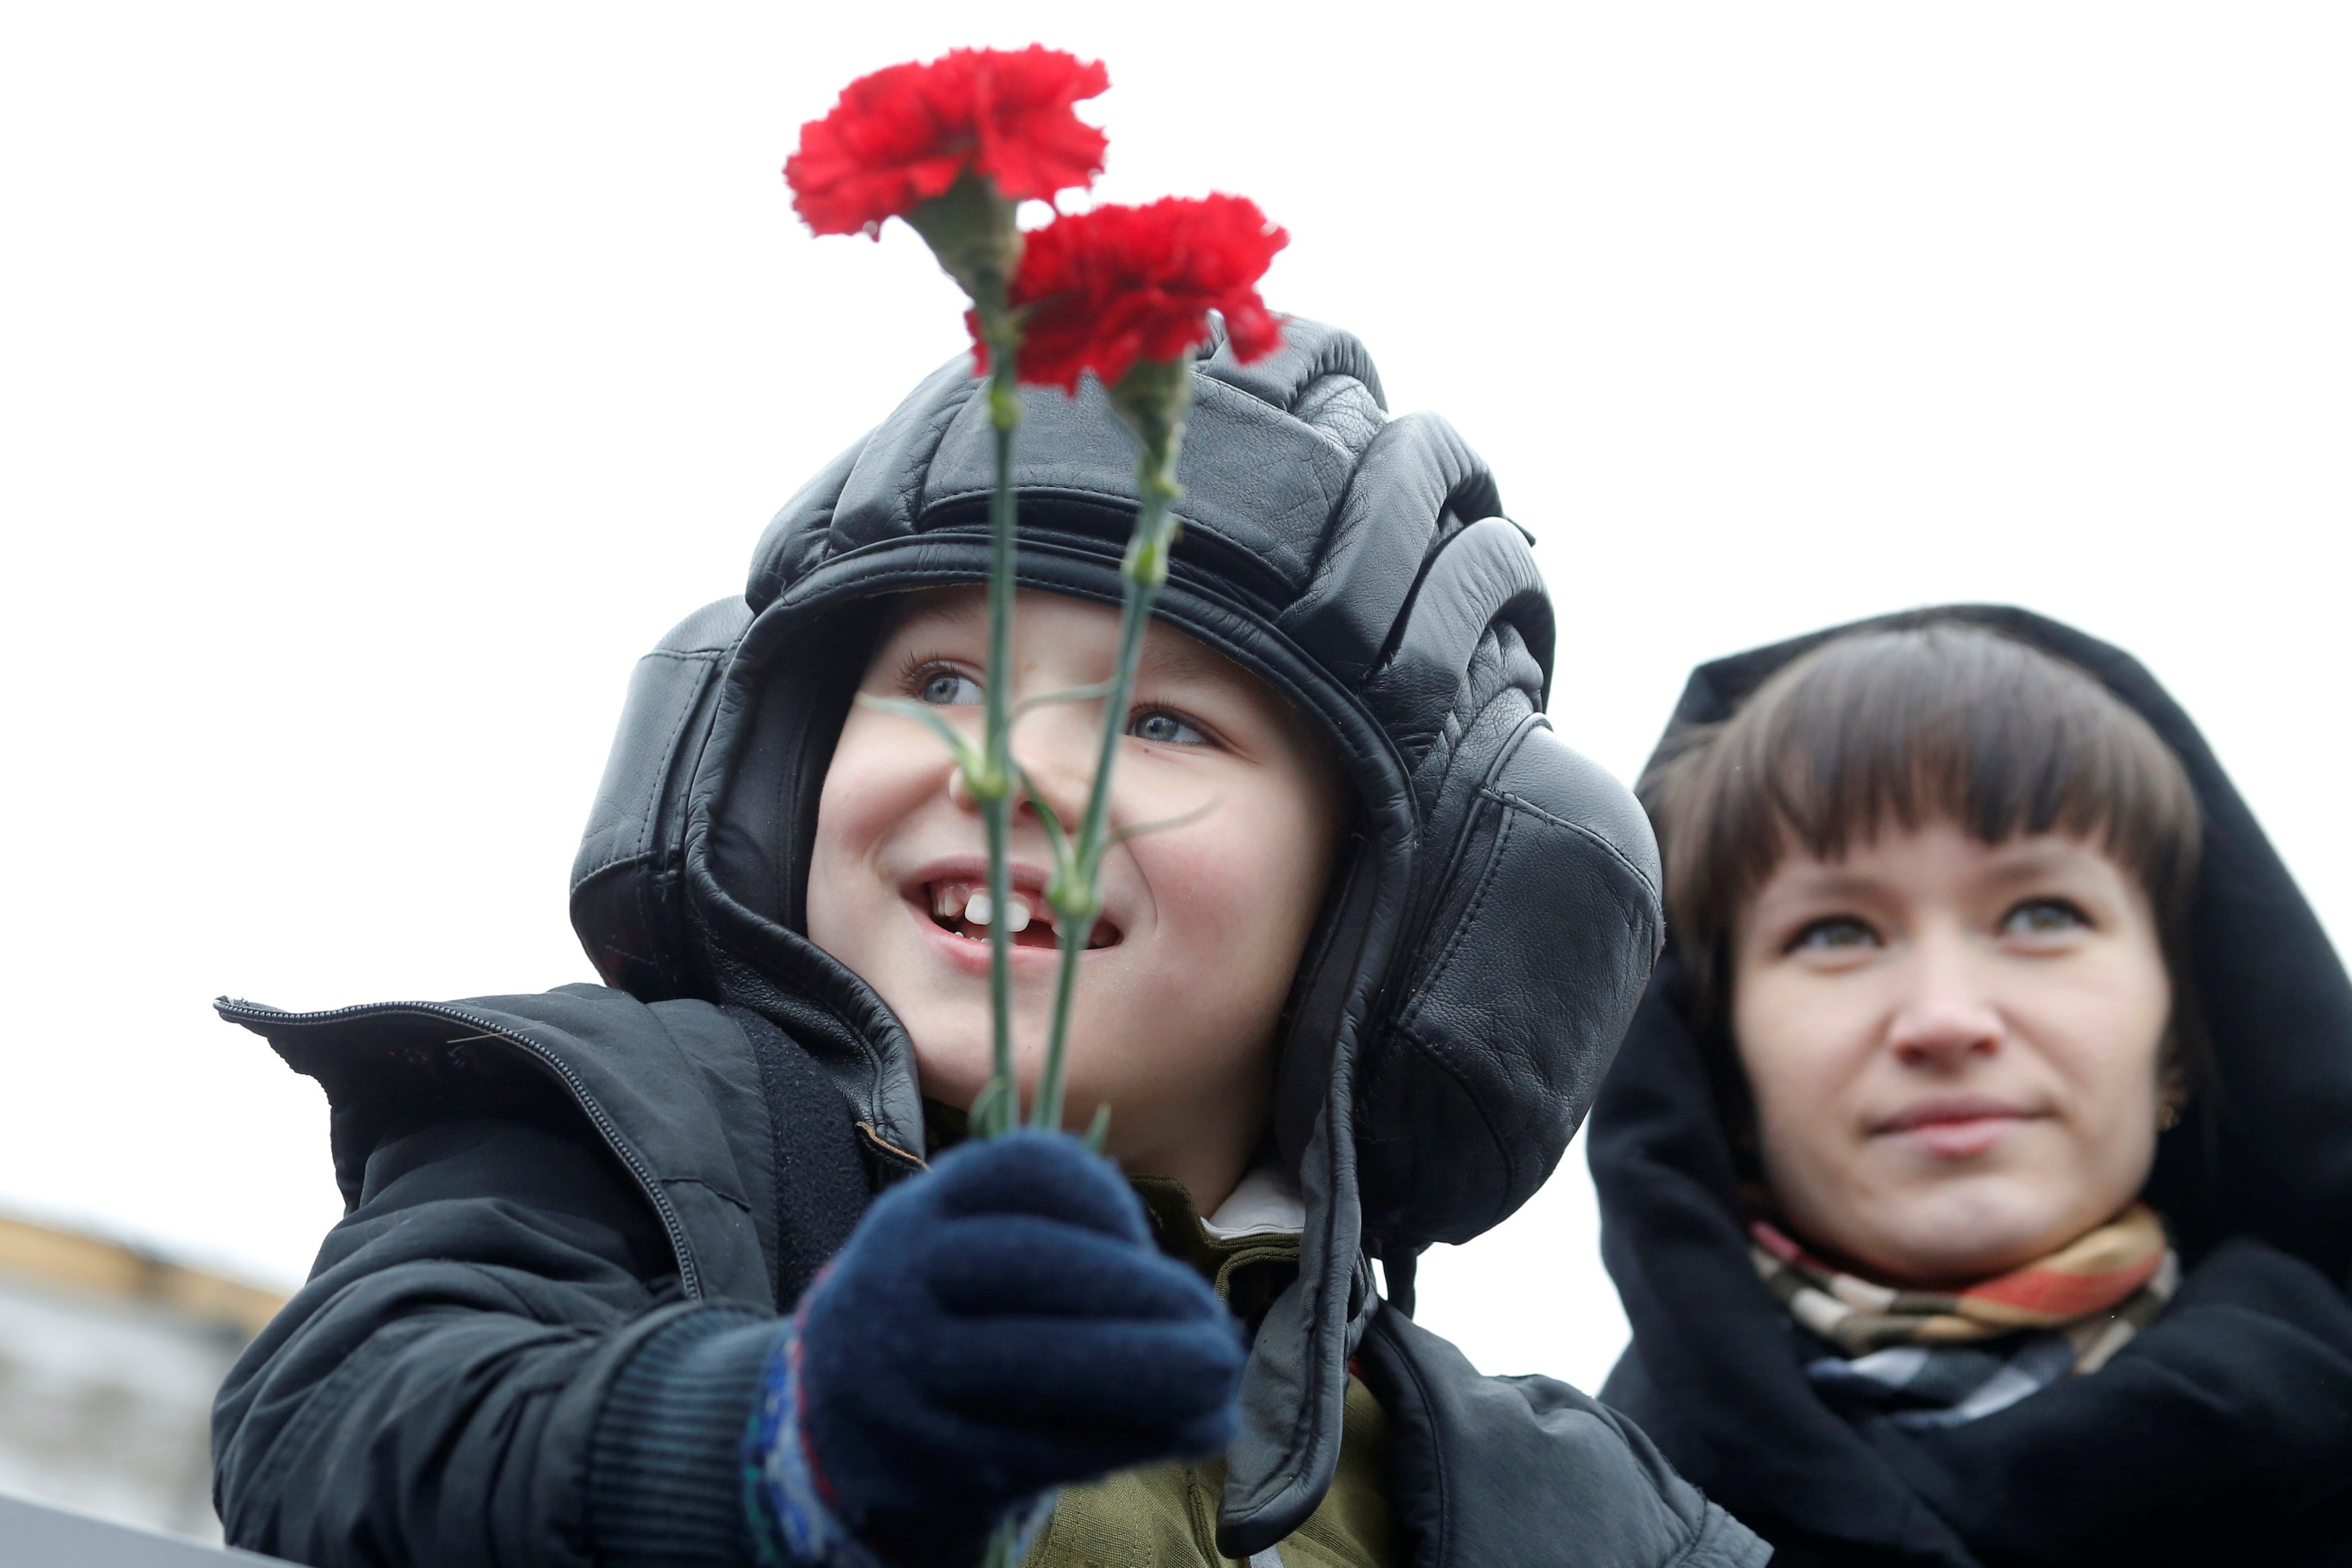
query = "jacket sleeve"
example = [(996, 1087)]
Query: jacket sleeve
[(1527, 1469), (491, 1364)]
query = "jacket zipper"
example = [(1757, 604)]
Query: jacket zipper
[(689, 1277)]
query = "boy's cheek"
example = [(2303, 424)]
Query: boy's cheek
[(1255, 857), (1209, 901), (872, 790), (876, 778)]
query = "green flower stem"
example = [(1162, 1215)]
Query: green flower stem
[(971, 231), (1001, 1103), (999, 1550), (1153, 399)]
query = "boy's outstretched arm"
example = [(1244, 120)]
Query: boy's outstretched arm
[(431, 1395), (486, 1367)]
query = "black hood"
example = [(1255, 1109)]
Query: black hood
[(2264, 1157), (1482, 947)]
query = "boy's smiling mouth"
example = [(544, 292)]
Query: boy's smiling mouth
[(962, 906)]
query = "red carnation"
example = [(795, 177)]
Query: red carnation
[(1120, 284), (903, 135)]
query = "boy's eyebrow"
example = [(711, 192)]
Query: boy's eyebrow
[(924, 609), (1182, 658)]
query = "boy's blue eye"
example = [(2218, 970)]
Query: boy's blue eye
[(2042, 917), (947, 689), (1835, 934), (1159, 726)]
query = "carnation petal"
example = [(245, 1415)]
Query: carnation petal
[(1117, 284), (902, 135)]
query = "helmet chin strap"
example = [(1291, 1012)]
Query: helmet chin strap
[(1295, 1389)]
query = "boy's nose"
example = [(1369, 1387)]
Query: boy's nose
[(1063, 774), (1061, 769)]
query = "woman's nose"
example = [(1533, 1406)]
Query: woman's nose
[(1946, 1019)]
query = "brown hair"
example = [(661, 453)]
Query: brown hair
[(1941, 721)]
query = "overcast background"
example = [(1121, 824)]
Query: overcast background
[(377, 381)]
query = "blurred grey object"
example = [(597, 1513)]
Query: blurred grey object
[(32, 1536), (109, 1359)]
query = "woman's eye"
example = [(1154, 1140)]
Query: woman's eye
[(2042, 917), (946, 687), (1836, 934), (1159, 726)]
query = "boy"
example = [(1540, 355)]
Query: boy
[(1355, 1004)]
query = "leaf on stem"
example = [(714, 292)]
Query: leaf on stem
[(1027, 705), (1074, 891), (968, 756), (992, 1109), (1056, 834), (999, 1553), (1162, 824)]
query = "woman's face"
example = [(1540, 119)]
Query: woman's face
[(1953, 1047)]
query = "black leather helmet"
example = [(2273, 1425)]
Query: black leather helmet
[(1482, 947)]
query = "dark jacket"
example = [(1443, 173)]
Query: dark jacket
[(536, 1336), (2222, 1433)]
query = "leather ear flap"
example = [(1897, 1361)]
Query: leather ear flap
[(1415, 471), (798, 534), (1542, 936), (1486, 575), (626, 904)]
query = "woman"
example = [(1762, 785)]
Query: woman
[(1977, 1171)]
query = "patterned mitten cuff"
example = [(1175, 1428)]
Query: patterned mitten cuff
[(794, 1519)]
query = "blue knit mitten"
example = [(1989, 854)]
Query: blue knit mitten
[(995, 1327)]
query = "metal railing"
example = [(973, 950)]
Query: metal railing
[(33, 1535)]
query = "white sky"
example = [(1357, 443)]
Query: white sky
[(376, 382)]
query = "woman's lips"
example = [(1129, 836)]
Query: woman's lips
[(1954, 1126)]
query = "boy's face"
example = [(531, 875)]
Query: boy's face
[(1954, 1047), (1204, 921)]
